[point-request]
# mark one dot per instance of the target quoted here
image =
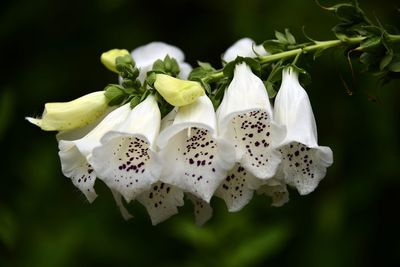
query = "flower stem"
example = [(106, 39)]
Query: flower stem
[(217, 75)]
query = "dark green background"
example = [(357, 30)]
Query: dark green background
[(50, 52)]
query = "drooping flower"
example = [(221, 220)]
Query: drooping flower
[(202, 209), (146, 55), (108, 58), (245, 120), (75, 154), (64, 116), (304, 163), (195, 159), (126, 160), (276, 190), (178, 92), (244, 47)]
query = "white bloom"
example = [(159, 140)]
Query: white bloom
[(146, 55), (245, 120), (126, 160), (195, 159), (304, 163), (75, 154), (276, 190), (245, 47), (202, 210)]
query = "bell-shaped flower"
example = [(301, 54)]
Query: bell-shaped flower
[(276, 190), (178, 92), (245, 120), (162, 200), (126, 160), (64, 116), (244, 47), (237, 189), (304, 163), (202, 209), (146, 55), (195, 159), (108, 58), (75, 153)]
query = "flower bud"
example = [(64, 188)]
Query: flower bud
[(73, 114), (108, 58), (177, 92)]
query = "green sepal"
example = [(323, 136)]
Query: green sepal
[(273, 46), (270, 89), (135, 101), (114, 94)]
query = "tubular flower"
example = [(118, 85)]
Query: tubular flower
[(146, 55), (108, 58), (276, 190), (126, 160), (202, 209), (244, 47), (195, 159), (64, 116), (304, 163), (245, 120), (178, 92), (75, 154)]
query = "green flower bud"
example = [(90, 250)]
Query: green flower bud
[(177, 92), (108, 58), (71, 115)]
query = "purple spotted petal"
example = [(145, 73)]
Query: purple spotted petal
[(202, 210), (235, 190), (161, 201)]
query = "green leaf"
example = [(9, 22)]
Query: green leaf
[(281, 37), (385, 61), (115, 95), (370, 43), (270, 89), (394, 66), (290, 37), (369, 58), (135, 101), (206, 66), (273, 46), (229, 68)]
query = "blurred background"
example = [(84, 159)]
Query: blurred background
[(50, 52)]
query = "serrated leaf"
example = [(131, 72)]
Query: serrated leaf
[(290, 37), (385, 61), (281, 37), (273, 46)]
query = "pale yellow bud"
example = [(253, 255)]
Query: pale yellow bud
[(108, 58), (71, 115), (178, 92)]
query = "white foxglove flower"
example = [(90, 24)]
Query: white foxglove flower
[(75, 154), (237, 188), (108, 58), (276, 190), (245, 120), (162, 200), (202, 209), (145, 56), (304, 163), (245, 47), (126, 160), (195, 159)]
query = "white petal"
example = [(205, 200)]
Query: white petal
[(245, 48), (304, 167), (195, 159), (235, 189), (304, 163), (126, 161), (74, 154), (118, 200), (277, 191), (245, 120), (161, 201), (202, 210), (146, 55)]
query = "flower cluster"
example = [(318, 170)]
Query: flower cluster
[(198, 149)]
